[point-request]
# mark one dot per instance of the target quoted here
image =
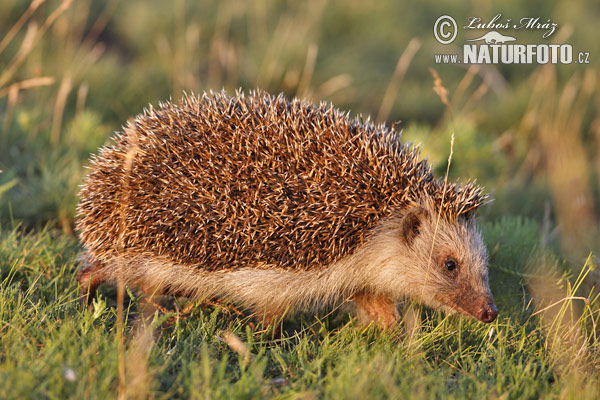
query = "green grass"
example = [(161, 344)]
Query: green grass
[(50, 347)]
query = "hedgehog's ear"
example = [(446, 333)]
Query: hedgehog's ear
[(411, 223)]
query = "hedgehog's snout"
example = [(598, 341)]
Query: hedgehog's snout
[(488, 313)]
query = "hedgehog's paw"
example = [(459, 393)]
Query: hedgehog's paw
[(89, 278), (377, 309), (271, 319)]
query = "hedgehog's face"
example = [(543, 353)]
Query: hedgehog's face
[(452, 270)]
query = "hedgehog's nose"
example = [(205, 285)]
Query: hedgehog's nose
[(488, 313)]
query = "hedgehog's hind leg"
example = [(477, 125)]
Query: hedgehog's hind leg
[(376, 308), (270, 317), (89, 278)]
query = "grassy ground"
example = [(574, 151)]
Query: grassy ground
[(53, 348), (72, 72)]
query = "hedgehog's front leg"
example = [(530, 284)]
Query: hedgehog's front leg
[(269, 314), (379, 309), (271, 318), (89, 278)]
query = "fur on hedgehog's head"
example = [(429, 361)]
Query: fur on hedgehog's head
[(441, 261)]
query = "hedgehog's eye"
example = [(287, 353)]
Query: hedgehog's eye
[(450, 265)]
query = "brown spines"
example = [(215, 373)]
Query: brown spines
[(456, 200), (226, 182)]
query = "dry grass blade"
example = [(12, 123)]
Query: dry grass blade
[(59, 107), (566, 341), (24, 50), (441, 91), (334, 84), (17, 25), (101, 21), (55, 14), (568, 298), (236, 344), (464, 83), (32, 35), (438, 87), (13, 96), (439, 216), (477, 95), (413, 327), (138, 374), (28, 84), (309, 67), (555, 119), (82, 93), (401, 67), (127, 168)]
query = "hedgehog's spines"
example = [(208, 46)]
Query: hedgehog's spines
[(223, 182)]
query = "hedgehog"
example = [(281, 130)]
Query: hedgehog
[(279, 206)]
